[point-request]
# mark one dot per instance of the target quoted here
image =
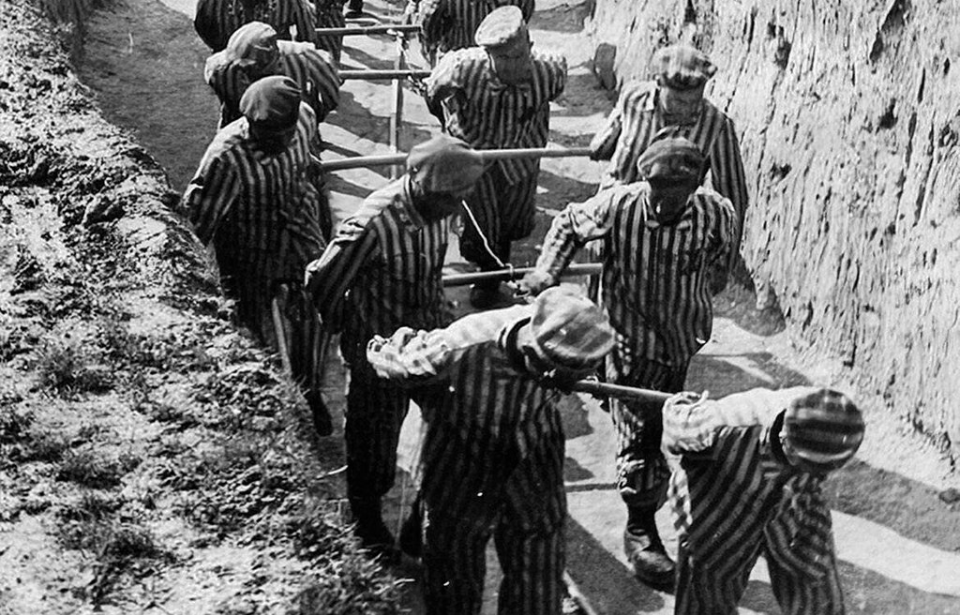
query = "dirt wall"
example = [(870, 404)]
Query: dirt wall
[(849, 112)]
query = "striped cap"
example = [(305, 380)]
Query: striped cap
[(671, 158), (444, 164), (568, 330), (255, 42), (272, 102), (500, 27), (681, 67), (822, 431)]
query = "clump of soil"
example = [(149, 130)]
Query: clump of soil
[(150, 454)]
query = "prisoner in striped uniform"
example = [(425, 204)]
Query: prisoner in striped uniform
[(659, 239), (492, 460), (252, 52), (253, 199), (748, 483), (381, 272), (674, 102), (216, 20), (498, 97), (448, 25), (329, 14)]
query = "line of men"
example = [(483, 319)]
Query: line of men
[(494, 449)]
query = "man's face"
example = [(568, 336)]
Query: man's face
[(435, 205), (668, 197), (272, 140), (680, 106), (512, 62)]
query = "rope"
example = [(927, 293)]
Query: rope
[(483, 237)]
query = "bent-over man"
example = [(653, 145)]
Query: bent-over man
[(498, 96), (659, 238), (492, 460), (382, 271), (749, 482), (254, 200)]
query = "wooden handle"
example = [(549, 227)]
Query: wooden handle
[(371, 75), (506, 275), (360, 30), (364, 162)]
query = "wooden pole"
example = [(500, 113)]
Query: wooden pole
[(506, 275), (371, 75), (362, 162), (362, 30), (605, 389), (396, 117)]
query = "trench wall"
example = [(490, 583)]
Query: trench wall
[(849, 115)]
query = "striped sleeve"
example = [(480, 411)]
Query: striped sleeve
[(328, 278), (690, 422), (426, 356), (577, 224), (727, 168), (315, 73), (208, 23), (212, 192), (604, 143)]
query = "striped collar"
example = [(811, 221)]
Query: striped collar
[(686, 220)]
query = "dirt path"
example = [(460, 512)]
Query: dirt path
[(898, 541)]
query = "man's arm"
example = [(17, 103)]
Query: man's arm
[(727, 168), (577, 224), (305, 20), (604, 143), (723, 244), (208, 26), (421, 357), (211, 194), (691, 421), (328, 278)]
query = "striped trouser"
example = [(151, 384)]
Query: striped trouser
[(717, 588), (504, 213), (376, 408), (642, 470), (471, 490)]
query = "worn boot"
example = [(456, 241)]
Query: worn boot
[(645, 551), (372, 531)]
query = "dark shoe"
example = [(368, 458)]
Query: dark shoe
[(322, 421), (411, 536), (354, 14), (484, 297), (645, 551)]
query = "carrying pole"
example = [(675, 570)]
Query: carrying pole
[(363, 162), (367, 30), (509, 275), (372, 75)]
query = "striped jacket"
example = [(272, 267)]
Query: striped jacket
[(216, 20), (448, 25), (485, 394), (634, 122), (655, 281), (260, 211), (730, 486), (329, 14), (383, 268), (488, 114), (312, 69)]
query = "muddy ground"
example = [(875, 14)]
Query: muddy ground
[(154, 460)]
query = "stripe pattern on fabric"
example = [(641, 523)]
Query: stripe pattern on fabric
[(634, 123), (448, 25), (655, 277), (216, 20), (488, 114)]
